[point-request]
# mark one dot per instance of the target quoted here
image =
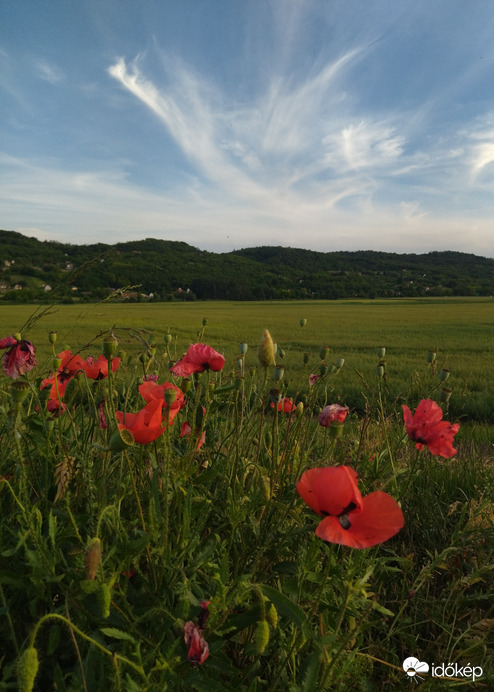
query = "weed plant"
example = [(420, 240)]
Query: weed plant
[(110, 549)]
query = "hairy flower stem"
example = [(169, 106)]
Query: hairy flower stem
[(385, 433), (94, 642)]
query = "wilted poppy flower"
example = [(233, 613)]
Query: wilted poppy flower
[(197, 646), (427, 428), (151, 391), (350, 519), (98, 369), (313, 379), (286, 405), (198, 358), (333, 412), (19, 358), (146, 425)]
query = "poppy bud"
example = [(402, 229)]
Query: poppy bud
[(335, 429), (18, 336), (185, 385), (340, 362), (52, 336), (306, 358), (239, 362), (381, 352), (299, 409), (144, 358), (279, 371), (261, 636), (431, 356), (443, 375), (48, 426), (445, 395), (323, 352), (265, 350), (281, 352), (302, 322), (380, 371), (93, 558), (272, 616), (56, 363), (204, 321), (27, 668), (170, 396), (122, 355), (243, 348), (323, 369), (104, 600), (110, 346), (19, 390), (167, 338), (120, 440)]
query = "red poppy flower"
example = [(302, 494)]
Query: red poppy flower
[(333, 412), (198, 358), (427, 428), (69, 367), (19, 358), (197, 646), (98, 369), (146, 425), (150, 391), (350, 519), (286, 405)]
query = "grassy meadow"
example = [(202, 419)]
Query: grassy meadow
[(173, 551)]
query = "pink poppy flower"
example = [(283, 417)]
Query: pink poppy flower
[(19, 358), (333, 412), (198, 358), (349, 518), (427, 428)]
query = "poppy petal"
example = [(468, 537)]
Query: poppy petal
[(329, 490)]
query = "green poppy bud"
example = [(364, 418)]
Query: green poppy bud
[(302, 322), (272, 616), (19, 389), (120, 440), (323, 369), (110, 346), (443, 375), (380, 371), (265, 350), (243, 348), (56, 363), (340, 362), (52, 336), (92, 558), (299, 409), (306, 358), (27, 669), (431, 356), (381, 352), (323, 352), (279, 371), (167, 338), (104, 600), (261, 636), (170, 396)]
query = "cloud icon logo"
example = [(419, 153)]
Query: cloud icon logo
[(412, 666)]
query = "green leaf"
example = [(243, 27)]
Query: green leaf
[(117, 634)]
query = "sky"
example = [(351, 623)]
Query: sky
[(319, 124)]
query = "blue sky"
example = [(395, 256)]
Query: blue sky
[(322, 124)]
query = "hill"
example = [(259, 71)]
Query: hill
[(33, 270)]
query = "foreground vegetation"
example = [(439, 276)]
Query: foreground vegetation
[(114, 548)]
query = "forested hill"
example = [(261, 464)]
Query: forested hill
[(31, 270)]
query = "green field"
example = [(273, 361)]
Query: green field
[(461, 331)]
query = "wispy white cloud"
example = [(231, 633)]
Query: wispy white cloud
[(48, 71)]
